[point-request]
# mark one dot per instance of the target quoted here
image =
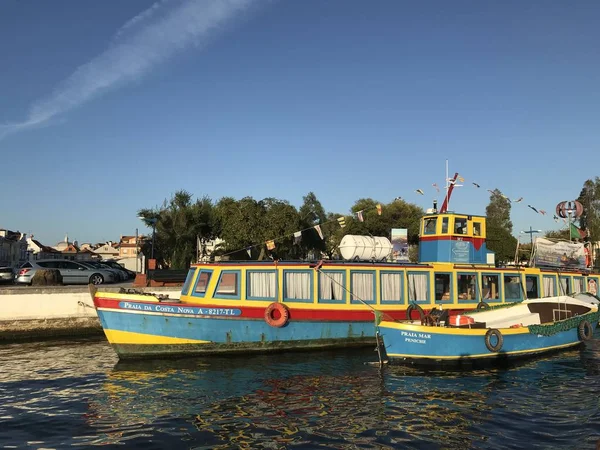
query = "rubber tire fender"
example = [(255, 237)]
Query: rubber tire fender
[(284, 315), (585, 330), (488, 340), (414, 307), (482, 305)]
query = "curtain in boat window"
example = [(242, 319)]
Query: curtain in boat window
[(363, 286), (417, 286), (564, 286), (262, 284), (549, 286), (391, 287), (331, 286), (578, 285), (297, 285)]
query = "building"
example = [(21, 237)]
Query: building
[(107, 250), (129, 246), (13, 248), (37, 250)]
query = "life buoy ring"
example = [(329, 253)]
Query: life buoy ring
[(277, 314), (414, 307), (585, 330), (482, 305), (492, 332)]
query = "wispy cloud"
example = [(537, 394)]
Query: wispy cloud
[(143, 42)]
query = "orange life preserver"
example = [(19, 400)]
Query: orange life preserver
[(461, 320), (277, 314)]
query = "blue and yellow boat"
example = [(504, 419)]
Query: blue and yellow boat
[(228, 307)]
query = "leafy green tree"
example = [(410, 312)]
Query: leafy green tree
[(590, 200), (499, 228), (240, 225), (558, 234), (311, 213), (180, 222)]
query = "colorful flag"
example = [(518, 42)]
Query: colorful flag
[(533, 208), (461, 179), (270, 245), (342, 221), (577, 233), (297, 237), (249, 251), (476, 185), (519, 200), (318, 228), (360, 217), (437, 188), (420, 191), (378, 206), (542, 212)]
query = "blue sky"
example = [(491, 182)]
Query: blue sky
[(110, 107)]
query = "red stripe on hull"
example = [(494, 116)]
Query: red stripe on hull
[(251, 312)]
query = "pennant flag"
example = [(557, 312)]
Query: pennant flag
[(378, 206), (436, 187), (542, 212), (519, 200), (342, 221), (476, 185), (360, 216), (490, 191), (297, 237), (249, 251), (504, 196), (564, 219), (420, 191), (318, 228), (533, 209), (461, 179), (270, 245), (577, 233), (555, 218)]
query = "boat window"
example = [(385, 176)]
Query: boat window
[(228, 285), (297, 285), (443, 285), (430, 225), (362, 287), (565, 286), (391, 287), (418, 287), (331, 285), (531, 285), (592, 286), (512, 288), (188, 281), (490, 287), (202, 282), (460, 225), (262, 284), (578, 285), (549, 285), (467, 286), (444, 225), (476, 228)]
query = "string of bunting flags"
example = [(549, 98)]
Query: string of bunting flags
[(476, 185), (297, 235)]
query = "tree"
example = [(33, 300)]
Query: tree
[(590, 200), (499, 228), (179, 224), (311, 213)]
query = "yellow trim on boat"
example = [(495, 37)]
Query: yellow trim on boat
[(452, 331), (129, 337), (486, 355), (129, 297)]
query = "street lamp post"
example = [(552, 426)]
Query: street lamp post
[(151, 221), (531, 233)]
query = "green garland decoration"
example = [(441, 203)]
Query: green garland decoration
[(563, 325)]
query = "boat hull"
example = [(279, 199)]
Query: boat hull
[(136, 327), (408, 343)]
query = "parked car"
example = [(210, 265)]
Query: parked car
[(119, 274), (7, 274), (72, 272), (115, 265)]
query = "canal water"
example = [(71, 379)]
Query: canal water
[(75, 394)]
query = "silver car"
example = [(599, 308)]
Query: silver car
[(6, 274), (71, 271)]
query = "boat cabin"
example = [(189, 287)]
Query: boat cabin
[(453, 238)]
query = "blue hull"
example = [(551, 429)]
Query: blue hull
[(424, 344)]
